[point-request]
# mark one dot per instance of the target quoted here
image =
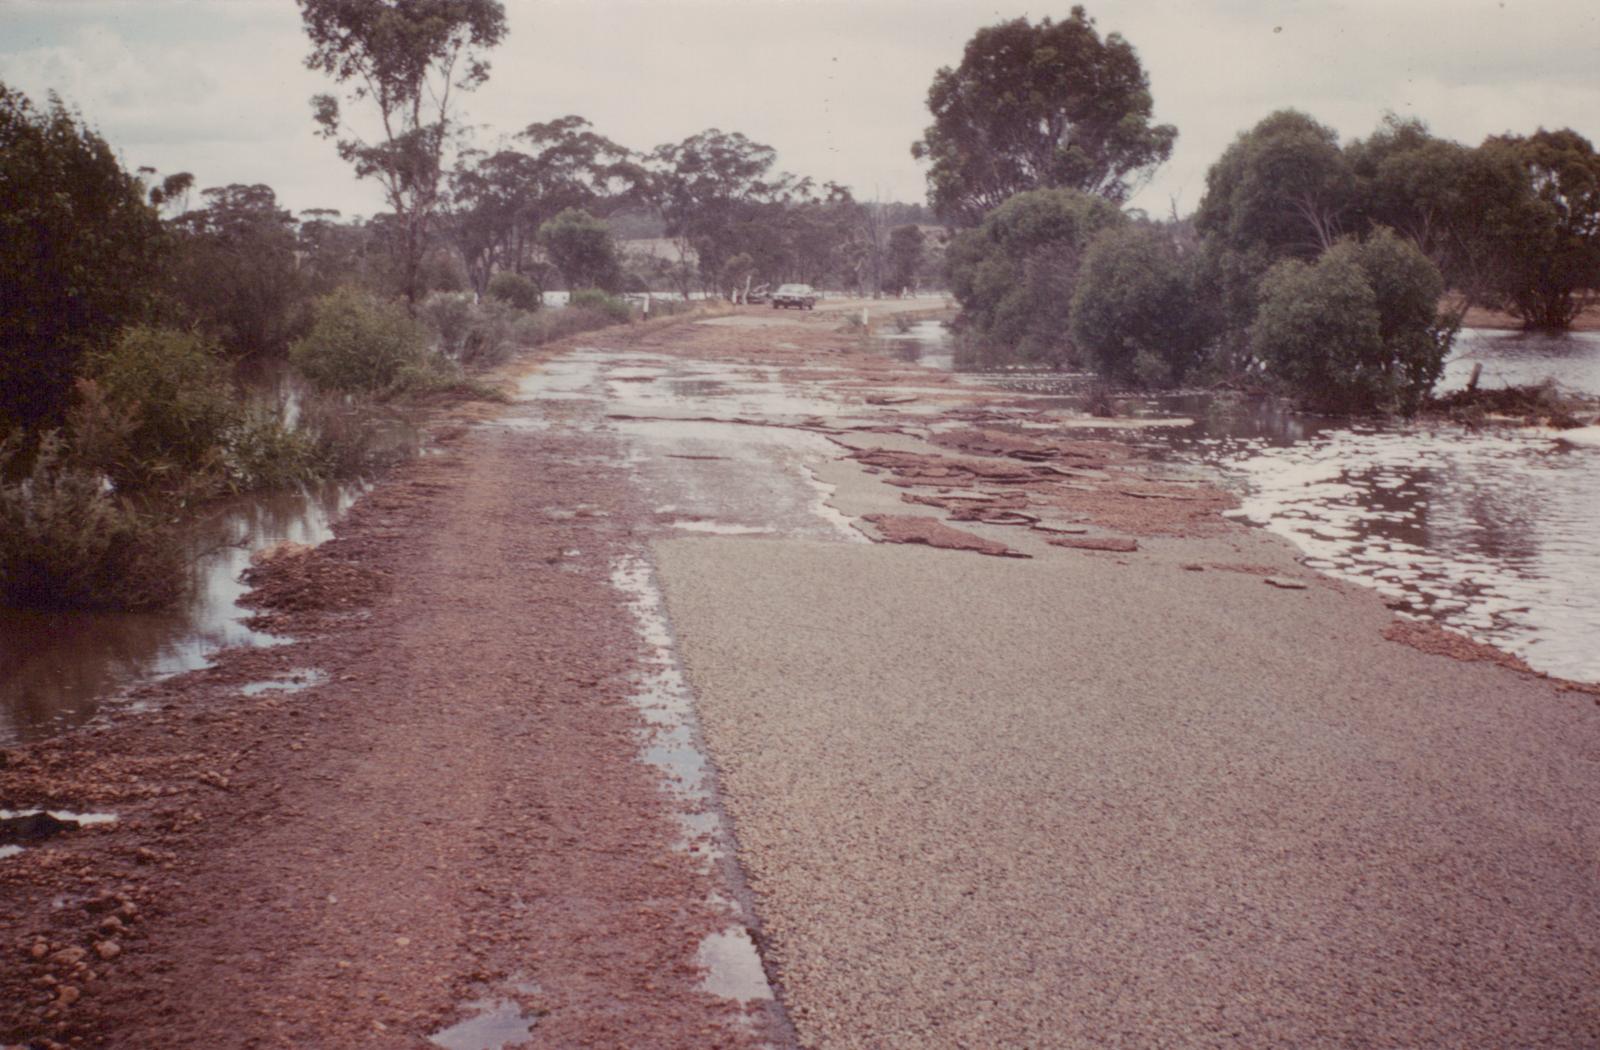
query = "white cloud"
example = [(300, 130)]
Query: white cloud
[(217, 87)]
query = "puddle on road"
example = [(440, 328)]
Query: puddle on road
[(291, 681), (722, 528), (729, 957), (499, 1024), (733, 966)]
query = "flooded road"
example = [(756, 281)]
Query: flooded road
[(1489, 532)]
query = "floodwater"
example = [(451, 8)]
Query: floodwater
[(58, 668), (1489, 532)]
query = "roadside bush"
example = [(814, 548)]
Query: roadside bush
[(1136, 312), (1358, 330), (156, 411), (79, 253), (262, 453), (68, 542), (1015, 274), (479, 335), (358, 343), (616, 310), (516, 290)]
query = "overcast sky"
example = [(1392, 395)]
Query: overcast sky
[(218, 87)]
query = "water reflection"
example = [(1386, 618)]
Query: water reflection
[(1571, 359), (926, 343), (57, 668), (1488, 532)]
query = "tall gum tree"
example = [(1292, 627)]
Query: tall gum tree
[(1039, 106), (406, 58)]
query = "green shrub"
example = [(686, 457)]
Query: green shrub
[(156, 411), (262, 453), (1015, 274), (359, 343), (79, 254), (616, 310), (68, 542), (1136, 313), (515, 289), (1358, 330), (478, 335)]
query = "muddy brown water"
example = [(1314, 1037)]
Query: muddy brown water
[(59, 669)]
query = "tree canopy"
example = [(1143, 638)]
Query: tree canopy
[(1016, 273), (79, 252), (405, 57), (1359, 329), (580, 247), (1034, 106)]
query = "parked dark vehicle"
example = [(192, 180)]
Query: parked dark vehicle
[(799, 296)]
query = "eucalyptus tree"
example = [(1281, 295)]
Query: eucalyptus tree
[(1550, 244), (501, 199), (1034, 106), (405, 59)]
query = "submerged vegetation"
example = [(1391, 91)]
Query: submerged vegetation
[(1311, 265)]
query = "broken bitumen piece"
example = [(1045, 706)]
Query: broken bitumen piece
[(914, 528), (1096, 543)]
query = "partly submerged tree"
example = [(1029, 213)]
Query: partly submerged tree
[(405, 57), (1033, 106), (1550, 245), (1015, 274), (1137, 312), (79, 252), (1359, 329)]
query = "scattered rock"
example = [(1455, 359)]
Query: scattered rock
[(69, 956), (1285, 583), (107, 949)]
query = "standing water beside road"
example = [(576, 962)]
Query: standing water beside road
[(58, 668), (1490, 532)]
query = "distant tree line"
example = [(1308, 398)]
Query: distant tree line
[(1341, 270)]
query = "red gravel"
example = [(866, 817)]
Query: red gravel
[(458, 811)]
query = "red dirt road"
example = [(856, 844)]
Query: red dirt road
[(457, 814)]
